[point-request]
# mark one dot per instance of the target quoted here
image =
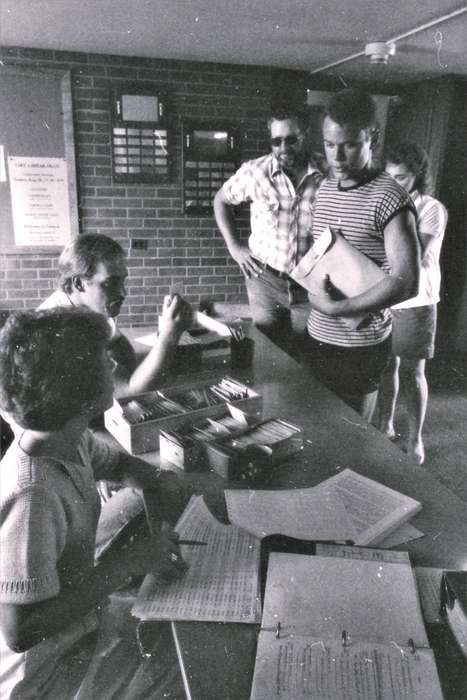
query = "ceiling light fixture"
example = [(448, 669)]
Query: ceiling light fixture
[(379, 51), (389, 42)]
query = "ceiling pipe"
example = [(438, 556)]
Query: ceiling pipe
[(411, 32)]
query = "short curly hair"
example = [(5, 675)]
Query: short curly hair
[(82, 256), (51, 365), (353, 108), (415, 158)]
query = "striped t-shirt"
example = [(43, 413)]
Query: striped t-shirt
[(361, 213)]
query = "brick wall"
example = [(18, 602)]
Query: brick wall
[(183, 251)]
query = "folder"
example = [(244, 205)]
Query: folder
[(350, 271), (341, 629)]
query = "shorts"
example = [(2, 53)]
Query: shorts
[(413, 332), (353, 371)]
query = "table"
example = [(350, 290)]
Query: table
[(218, 659)]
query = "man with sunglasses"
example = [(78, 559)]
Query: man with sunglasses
[(280, 188)]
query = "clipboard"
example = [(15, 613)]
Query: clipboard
[(350, 271)]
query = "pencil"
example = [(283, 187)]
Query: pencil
[(192, 543)]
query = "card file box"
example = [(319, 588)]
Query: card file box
[(247, 455), (186, 447), (135, 421)]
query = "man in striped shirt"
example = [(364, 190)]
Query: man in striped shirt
[(280, 188), (376, 216)]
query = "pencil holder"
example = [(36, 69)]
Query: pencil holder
[(242, 353)]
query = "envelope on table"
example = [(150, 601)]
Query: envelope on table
[(350, 271)]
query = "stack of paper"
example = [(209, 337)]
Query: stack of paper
[(347, 506), (222, 582)]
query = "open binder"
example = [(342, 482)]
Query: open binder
[(342, 629), (350, 271)]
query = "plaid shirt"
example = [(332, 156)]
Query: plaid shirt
[(281, 216)]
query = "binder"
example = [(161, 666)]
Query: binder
[(341, 629), (350, 271)]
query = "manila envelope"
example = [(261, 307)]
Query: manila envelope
[(350, 271)]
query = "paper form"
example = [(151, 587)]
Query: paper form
[(346, 552), (429, 589), (307, 667), (405, 533), (222, 582), (375, 510), (322, 596), (148, 340), (301, 513)]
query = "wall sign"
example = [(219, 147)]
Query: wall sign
[(39, 201)]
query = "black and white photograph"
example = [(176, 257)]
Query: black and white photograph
[(233, 350)]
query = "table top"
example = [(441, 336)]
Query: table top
[(335, 438)]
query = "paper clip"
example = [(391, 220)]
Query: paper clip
[(278, 630), (411, 645)]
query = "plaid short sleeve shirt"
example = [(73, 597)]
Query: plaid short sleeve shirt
[(281, 216)]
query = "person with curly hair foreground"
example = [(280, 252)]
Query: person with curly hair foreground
[(51, 589)]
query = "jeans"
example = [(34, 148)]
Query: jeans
[(272, 300)]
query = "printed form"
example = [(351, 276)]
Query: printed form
[(306, 514), (222, 582)]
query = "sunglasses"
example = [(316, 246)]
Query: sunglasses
[(291, 140)]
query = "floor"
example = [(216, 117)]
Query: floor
[(445, 431)]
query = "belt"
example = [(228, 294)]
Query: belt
[(272, 270)]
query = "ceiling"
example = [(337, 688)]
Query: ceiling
[(296, 34)]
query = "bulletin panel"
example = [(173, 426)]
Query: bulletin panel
[(38, 194)]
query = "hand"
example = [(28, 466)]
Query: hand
[(328, 300), (177, 316), (157, 554), (105, 490), (242, 256)]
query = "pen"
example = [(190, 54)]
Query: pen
[(192, 543)]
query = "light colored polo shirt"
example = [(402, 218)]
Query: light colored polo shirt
[(432, 219), (49, 513), (60, 298)]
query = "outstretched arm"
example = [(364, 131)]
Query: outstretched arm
[(176, 318), (223, 211), (403, 255)]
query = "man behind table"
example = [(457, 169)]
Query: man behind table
[(93, 272)]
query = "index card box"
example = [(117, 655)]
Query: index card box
[(138, 436), (186, 447), (248, 454)]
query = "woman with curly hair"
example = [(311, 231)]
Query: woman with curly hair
[(414, 320), (55, 376)]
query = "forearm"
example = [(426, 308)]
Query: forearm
[(148, 374), (225, 220), (135, 473), (43, 620), (384, 294)]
